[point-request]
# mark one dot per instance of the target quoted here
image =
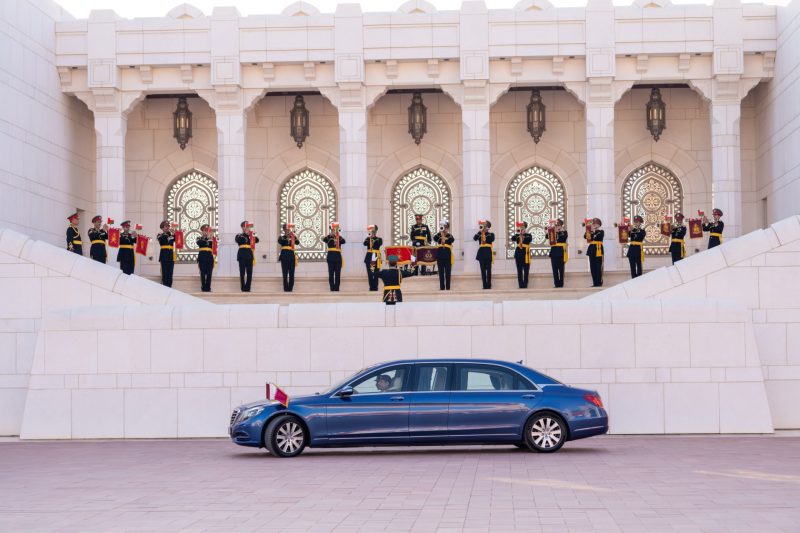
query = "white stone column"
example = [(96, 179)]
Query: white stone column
[(353, 198), (600, 173), (110, 129), (477, 179), (726, 163), (231, 126)]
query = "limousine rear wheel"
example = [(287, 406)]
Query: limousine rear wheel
[(285, 436), (545, 432)]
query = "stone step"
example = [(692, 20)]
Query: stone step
[(464, 287)]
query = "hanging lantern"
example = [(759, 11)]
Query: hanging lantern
[(536, 122), (656, 114), (299, 121), (417, 118), (182, 123)]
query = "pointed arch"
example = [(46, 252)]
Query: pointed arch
[(422, 192), (652, 192), (191, 201), (308, 200), (535, 196)]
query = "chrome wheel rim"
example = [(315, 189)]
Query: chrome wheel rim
[(289, 437), (546, 432)]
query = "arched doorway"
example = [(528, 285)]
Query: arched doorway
[(652, 192), (535, 196), (308, 200), (419, 192), (192, 201)]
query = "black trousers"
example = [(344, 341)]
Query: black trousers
[(77, 249), (675, 251), (486, 272), (127, 266), (206, 268), (99, 258), (596, 267), (445, 269), (287, 270), (334, 275), (167, 267), (635, 260), (713, 241), (523, 271), (372, 276), (98, 253), (245, 274), (557, 264), (392, 296)]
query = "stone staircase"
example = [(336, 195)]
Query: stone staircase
[(464, 287)]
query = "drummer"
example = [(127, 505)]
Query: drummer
[(420, 236)]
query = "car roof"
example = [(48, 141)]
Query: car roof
[(451, 360)]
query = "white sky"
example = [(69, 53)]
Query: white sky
[(158, 8)]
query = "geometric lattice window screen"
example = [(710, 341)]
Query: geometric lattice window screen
[(308, 201), (652, 192), (191, 201), (420, 192), (535, 196)]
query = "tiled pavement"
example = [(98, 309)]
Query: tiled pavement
[(603, 484)]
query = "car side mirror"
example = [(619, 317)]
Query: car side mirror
[(344, 392)]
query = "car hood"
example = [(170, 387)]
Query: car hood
[(305, 400)]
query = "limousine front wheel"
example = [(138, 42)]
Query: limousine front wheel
[(285, 436), (545, 433)]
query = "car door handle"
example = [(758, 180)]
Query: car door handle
[(397, 398), (528, 396)]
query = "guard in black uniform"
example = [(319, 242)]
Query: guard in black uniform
[(74, 243), (288, 256), (334, 242), (245, 256), (636, 246), (126, 256), (372, 259), (714, 228), (559, 254), (677, 246), (420, 236), (205, 257), (167, 253), (485, 255), (392, 277), (522, 253), (444, 255), (595, 252), (97, 238)]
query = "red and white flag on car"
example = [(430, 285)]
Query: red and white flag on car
[(278, 394)]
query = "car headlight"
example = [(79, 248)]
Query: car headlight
[(250, 413)]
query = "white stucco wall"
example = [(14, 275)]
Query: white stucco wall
[(778, 125), (47, 149)]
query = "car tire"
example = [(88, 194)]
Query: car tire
[(545, 433), (285, 436)]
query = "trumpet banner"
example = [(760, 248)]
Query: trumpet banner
[(427, 255), (666, 229), (695, 228), (624, 233), (179, 240), (551, 236), (141, 244), (113, 237)]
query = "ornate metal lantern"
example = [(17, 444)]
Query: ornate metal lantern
[(656, 114), (417, 118), (299, 121), (536, 121), (182, 123)]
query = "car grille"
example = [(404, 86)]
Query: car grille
[(235, 415)]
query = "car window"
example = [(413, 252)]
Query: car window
[(390, 379), (431, 378), (490, 378)]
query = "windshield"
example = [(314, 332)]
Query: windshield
[(348, 379)]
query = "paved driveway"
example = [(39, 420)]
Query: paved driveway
[(603, 484)]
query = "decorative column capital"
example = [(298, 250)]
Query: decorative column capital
[(475, 94), (724, 88), (109, 101), (355, 96), (602, 91), (230, 99)]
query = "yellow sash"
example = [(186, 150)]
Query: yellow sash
[(717, 235), (641, 249), (391, 287), (563, 245), (491, 248), (170, 247), (77, 242), (452, 256), (340, 253), (527, 248), (100, 241), (598, 248)]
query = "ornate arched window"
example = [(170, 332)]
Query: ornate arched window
[(652, 191), (535, 196), (308, 201), (192, 201), (420, 192)]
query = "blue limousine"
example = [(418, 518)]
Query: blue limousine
[(427, 402)]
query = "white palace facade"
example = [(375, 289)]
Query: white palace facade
[(86, 123)]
